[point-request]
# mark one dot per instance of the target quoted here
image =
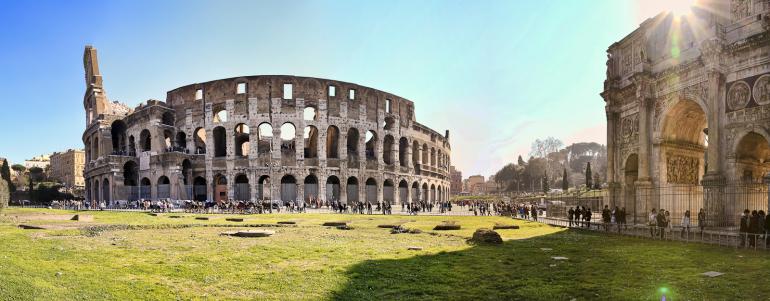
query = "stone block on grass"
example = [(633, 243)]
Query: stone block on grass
[(504, 227), (447, 225), (234, 219), (83, 218), (334, 224), (486, 236), (287, 223)]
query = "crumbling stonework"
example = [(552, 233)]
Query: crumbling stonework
[(223, 140)]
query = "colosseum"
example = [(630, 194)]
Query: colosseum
[(268, 137)]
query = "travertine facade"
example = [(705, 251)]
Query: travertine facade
[(687, 105), (67, 168), (262, 138)]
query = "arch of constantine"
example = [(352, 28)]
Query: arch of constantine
[(253, 138), (688, 113)]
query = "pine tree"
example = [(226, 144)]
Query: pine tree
[(564, 183), (5, 172), (521, 161), (589, 177)]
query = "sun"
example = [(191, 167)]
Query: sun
[(681, 7)]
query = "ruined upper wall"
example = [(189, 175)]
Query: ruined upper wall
[(263, 88)]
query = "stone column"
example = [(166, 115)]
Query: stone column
[(343, 191), (715, 199), (646, 197)]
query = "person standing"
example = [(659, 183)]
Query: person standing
[(744, 228), (652, 222), (701, 221), (570, 215), (661, 223), (686, 224), (606, 217)]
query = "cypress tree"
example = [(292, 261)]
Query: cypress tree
[(564, 183), (5, 172), (589, 177)]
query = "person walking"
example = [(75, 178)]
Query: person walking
[(685, 224), (652, 222), (606, 217), (744, 228)]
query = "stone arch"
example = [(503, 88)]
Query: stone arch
[(388, 191), (181, 140), (242, 189), (163, 188), (264, 138), (220, 114), (261, 183), (220, 141), (118, 132), (199, 189), (130, 173), (415, 153), (220, 188), (167, 119), (352, 145), (145, 140), (752, 157), (186, 171), (288, 137), (106, 191), (403, 191), (415, 191), (168, 139), (310, 113), (425, 194), (425, 154), (199, 140), (332, 188), (332, 142), (388, 145), (352, 190), (403, 146), (432, 193), (371, 145), (311, 141), (311, 188), (683, 143), (145, 188), (288, 188), (242, 143), (371, 191)]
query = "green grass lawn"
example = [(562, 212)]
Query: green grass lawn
[(311, 262)]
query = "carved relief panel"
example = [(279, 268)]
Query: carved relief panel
[(629, 129), (682, 169)]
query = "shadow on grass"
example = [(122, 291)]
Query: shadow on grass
[(599, 267)]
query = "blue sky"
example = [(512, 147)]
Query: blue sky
[(497, 74)]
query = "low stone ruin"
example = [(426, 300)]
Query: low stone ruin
[(486, 236)]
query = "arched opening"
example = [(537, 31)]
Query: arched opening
[(425, 193), (311, 142), (265, 138), (181, 141), (199, 137), (163, 188), (352, 190), (242, 190), (288, 133), (130, 179), (415, 192), (432, 193), (683, 145), (631, 174), (167, 119), (310, 113), (352, 145), (220, 188), (288, 188), (425, 154), (332, 189), (403, 191), (199, 189), (387, 149), (403, 145), (332, 142), (96, 194), (311, 188), (220, 141), (387, 192), (432, 157), (168, 139), (145, 189), (264, 188), (106, 191), (95, 151), (145, 139), (131, 146), (242, 143), (186, 172), (390, 123), (415, 153), (118, 133), (371, 146), (220, 115), (371, 191), (752, 158)]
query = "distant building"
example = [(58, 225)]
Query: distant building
[(490, 186), (476, 184), (41, 161), (455, 180), (67, 168)]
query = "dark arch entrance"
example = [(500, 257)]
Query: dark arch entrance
[(199, 189), (288, 188), (387, 192), (242, 189), (332, 189), (352, 190), (264, 192), (311, 188), (371, 191), (220, 188)]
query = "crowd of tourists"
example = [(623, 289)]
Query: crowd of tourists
[(755, 226)]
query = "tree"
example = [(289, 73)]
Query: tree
[(597, 181), (541, 148), (5, 173), (588, 176), (521, 161), (564, 181), (36, 174), (546, 187)]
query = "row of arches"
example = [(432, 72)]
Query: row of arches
[(242, 143)]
